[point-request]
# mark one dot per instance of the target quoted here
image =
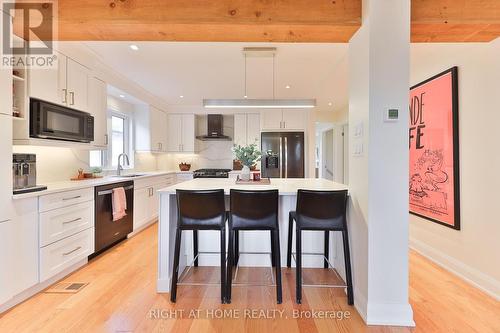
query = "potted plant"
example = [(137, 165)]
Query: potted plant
[(248, 155)]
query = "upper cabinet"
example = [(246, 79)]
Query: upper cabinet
[(181, 133), (246, 128), (97, 106), (65, 84), (290, 119), (5, 79), (150, 129)]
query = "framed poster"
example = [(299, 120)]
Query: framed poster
[(433, 136)]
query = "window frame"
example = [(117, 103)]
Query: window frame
[(127, 140)]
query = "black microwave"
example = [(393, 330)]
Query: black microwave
[(56, 122)]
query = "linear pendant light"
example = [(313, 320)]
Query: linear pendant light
[(260, 103), (247, 103)]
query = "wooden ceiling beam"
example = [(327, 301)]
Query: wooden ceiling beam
[(455, 20), (333, 21), (210, 20)]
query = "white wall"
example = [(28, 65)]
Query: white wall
[(473, 251)]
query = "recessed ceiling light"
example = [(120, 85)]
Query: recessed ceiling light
[(122, 96), (330, 104), (245, 96), (181, 96), (134, 47), (287, 86)]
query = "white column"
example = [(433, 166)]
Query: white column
[(378, 162)]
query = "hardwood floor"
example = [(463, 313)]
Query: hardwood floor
[(121, 294)]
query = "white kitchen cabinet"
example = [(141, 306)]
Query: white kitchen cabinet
[(19, 248), (5, 163), (66, 83), (246, 128), (290, 119), (77, 84), (181, 133), (146, 198), (97, 106), (5, 80), (150, 129), (56, 257), (158, 126)]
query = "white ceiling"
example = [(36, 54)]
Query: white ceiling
[(216, 70)]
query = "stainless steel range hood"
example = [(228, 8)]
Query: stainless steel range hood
[(215, 126)]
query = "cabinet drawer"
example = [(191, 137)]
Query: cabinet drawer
[(60, 255), (60, 223), (63, 199)]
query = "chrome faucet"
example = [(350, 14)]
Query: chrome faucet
[(125, 160)]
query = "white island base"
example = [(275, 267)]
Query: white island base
[(250, 241)]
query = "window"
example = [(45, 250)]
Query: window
[(119, 133), (117, 138)]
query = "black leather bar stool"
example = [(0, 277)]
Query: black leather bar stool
[(200, 210), (320, 211), (254, 210)]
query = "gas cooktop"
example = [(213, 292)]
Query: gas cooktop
[(211, 173)]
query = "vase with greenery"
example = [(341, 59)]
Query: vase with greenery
[(248, 155)]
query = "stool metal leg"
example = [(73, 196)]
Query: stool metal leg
[(175, 270), (347, 261), (298, 266), (273, 240), (290, 240), (230, 262), (236, 247), (195, 247), (223, 265), (277, 261), (327, 249)]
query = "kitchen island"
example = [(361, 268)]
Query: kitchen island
[(250, 241)]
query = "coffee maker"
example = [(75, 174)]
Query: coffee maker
[(24, 173)]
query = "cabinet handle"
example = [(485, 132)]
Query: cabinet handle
[(72, 221), (65, 199), (67, 253), (65, 96), (105, 139), (3, 221), (72, 98)]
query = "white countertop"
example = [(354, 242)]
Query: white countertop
[(79, 184), (287, 186)]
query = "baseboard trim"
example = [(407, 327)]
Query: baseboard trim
[(390, 314), (163, 285), (471, 275), (142, 227)]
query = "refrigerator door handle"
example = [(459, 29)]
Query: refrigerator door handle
[(286, 157), (281, 157)]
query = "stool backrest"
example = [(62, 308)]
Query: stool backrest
[(329, 206), (254, 208), (205, 207)]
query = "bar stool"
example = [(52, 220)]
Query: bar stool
[(200, 210), (320, 211), (254, 210)]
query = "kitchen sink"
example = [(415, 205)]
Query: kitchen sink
[(130, 175)]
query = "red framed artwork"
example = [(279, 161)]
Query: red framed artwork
[(433, 136)]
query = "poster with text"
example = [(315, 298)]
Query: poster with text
[(433, 138)]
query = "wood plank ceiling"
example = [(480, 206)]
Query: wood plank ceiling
[(266, 20)]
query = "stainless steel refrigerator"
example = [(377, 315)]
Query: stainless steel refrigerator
[(282, 154)]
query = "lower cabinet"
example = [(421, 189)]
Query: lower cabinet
[(66, 234), (19, 249), (56, 257)]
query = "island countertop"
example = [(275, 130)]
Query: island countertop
[(288, 186)]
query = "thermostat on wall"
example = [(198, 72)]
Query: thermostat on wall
[(391, 115)]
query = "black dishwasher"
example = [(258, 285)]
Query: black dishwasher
[(107, 231)]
